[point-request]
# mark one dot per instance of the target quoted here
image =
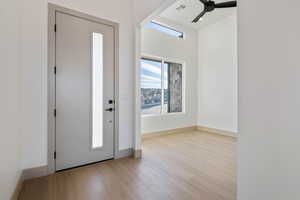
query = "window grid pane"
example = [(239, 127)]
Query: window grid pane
[(175, 88), (151, 87), (166, 87)]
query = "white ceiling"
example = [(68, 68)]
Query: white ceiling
[(193, 8)]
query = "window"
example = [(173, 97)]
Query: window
[(97, 91), (161, 87), (174, 87), (165, 29)]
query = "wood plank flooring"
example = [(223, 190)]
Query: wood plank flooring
[(185, 166)]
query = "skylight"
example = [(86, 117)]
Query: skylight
[(165, 29)]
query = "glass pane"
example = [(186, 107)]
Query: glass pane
[(97, 90), (165, 29), (150, 86), (166, 88), (174, 88)]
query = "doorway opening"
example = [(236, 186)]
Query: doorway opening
[(186, 86)]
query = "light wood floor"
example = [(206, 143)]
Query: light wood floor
[(187, 166)]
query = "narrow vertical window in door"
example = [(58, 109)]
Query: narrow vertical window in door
[(97, 90)]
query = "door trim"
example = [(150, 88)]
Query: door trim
[(52, 9)]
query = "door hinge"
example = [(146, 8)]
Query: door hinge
[(54, 27), (55, 70), (54, 155), (54, 112)]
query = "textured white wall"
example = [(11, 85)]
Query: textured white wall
[(185, 50), (217, 78), (10, 142)]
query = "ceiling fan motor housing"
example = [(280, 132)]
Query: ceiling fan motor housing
[(209, 6)]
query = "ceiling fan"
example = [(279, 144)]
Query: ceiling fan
[(211, 5)]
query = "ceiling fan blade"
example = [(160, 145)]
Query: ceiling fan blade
[(199, 16), (203, 1), (228, 4)]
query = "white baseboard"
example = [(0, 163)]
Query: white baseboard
[(18, 188), (186, 129), (216, 131), (35, 172), (168, 132), (129, 153), (137, 154), (43, 170), (28, 174), (124, 153)]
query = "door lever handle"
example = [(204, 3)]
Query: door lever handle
[(110, 109)]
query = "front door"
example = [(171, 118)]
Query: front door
[(84, 91)]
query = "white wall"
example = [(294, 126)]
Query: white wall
[(269, 107), (185, 50), (34, 82), (24, 78), (145, 8), (217, 78), (34, 66), (268, 153), (10, 155)]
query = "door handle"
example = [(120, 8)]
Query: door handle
[(110, 109)]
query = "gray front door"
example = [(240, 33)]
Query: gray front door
[(84, 91)]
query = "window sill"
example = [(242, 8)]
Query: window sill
[(163, 115)]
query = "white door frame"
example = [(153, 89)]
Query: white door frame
[(137, 142), (52, 9)]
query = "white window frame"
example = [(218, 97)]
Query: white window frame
[(167, 60), (170, 28)]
